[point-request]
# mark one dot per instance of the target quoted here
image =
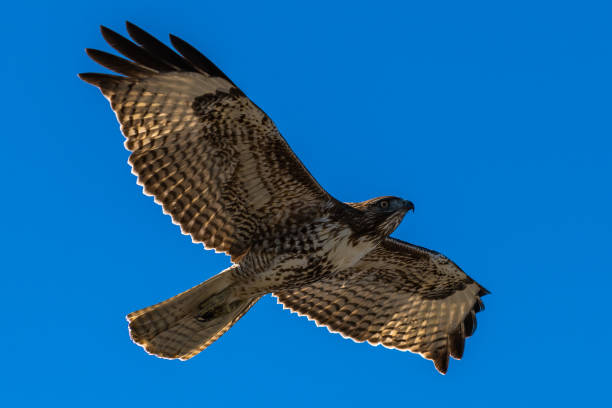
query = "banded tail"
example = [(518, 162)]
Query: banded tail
[(186, 324)]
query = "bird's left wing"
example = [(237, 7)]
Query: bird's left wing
[(401, 296), (209, 155)]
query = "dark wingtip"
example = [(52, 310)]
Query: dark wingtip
[(106, 31), (157, 48), (196, 58), (129, 25), (90, 78), (456, 344), (175, 39), (102, 81), (470, 323), (483, 291), (133, 30), (441, 363), (118, 64), (95, 55), (479, 306)]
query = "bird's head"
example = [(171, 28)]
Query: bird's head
[(384, 213)]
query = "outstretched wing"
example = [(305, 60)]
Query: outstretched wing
[(209, 156), (401, 296)]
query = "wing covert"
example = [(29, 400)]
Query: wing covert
[(212, 158), (401, 296)]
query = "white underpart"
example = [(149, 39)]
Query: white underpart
[(343, 253)]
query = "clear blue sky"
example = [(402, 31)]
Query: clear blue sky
[(494, 119)]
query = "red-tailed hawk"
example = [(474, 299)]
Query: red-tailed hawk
[(218, 165)]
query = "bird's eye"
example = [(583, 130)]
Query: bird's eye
[(384, 204)]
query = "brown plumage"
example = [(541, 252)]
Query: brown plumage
[(222, 171), (398, 295)]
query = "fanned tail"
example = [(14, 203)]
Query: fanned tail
[(186, 324)]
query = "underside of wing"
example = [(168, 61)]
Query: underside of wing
[(209, 156), (401, 296)]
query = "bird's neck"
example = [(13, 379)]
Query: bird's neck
[(363, 224)]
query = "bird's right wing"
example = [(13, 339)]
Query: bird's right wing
[(212, 158), (401, 296)]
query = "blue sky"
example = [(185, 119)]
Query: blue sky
[(494, 119)]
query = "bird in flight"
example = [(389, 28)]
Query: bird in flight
[(220, 168)]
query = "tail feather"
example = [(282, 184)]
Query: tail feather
[(186, 324), (189, 336)]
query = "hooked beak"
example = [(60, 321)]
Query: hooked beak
[(408, 205)]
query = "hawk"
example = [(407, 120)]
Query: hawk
[(220, 168)]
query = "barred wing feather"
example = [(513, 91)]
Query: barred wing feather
[(212, 158), (401, 296)]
